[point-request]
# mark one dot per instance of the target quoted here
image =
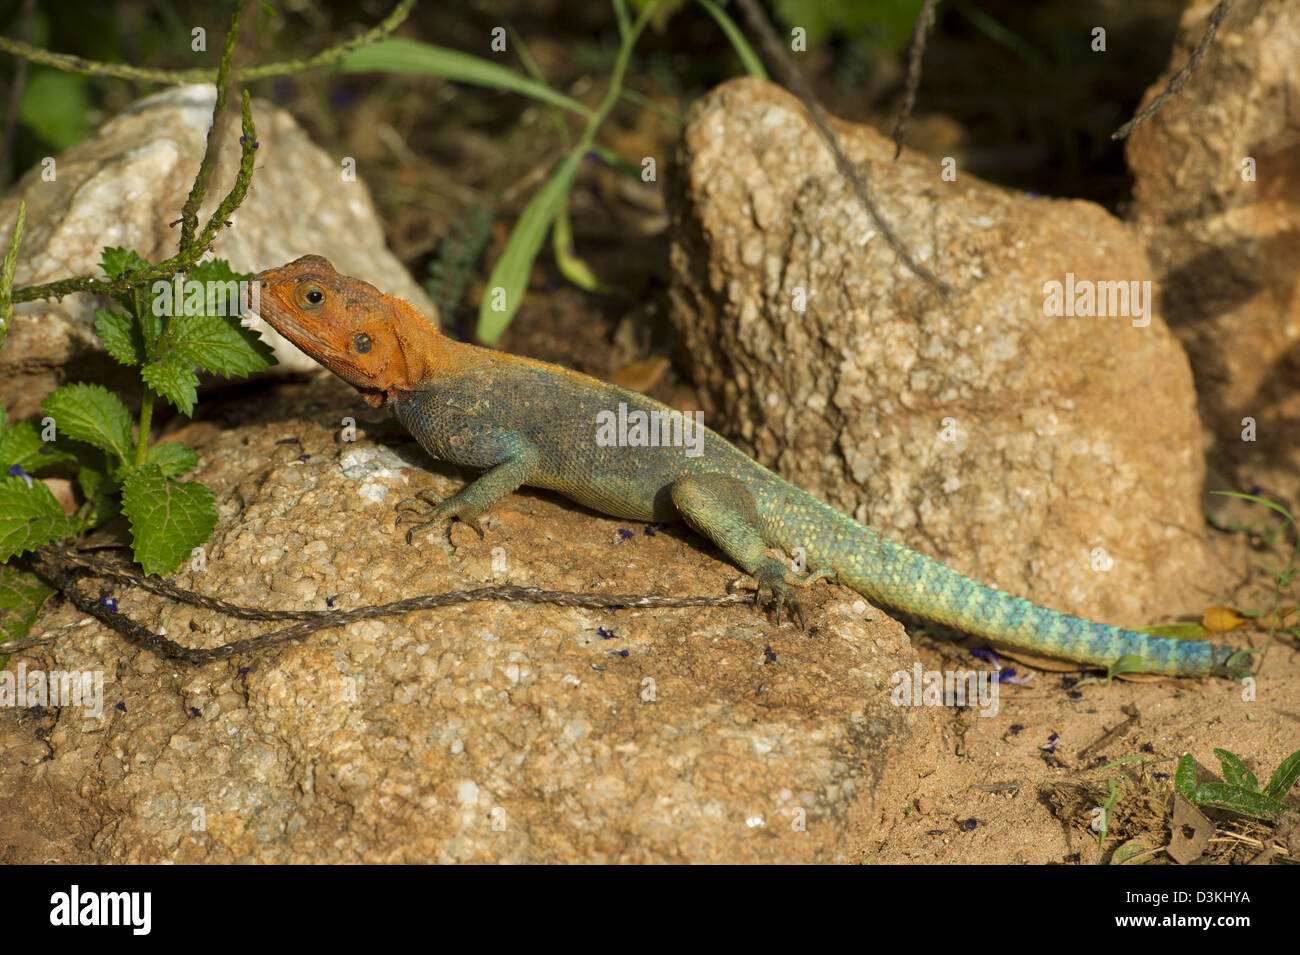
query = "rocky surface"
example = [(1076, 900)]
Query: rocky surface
[(1055, 457), (491, 732), (1217, 204), (125, 186)]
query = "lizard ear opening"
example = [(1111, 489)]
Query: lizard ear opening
[(374, 398)]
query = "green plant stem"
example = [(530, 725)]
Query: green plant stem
[(180, 262), (7, 272), (146, 421), (616, 77), (75, 64)]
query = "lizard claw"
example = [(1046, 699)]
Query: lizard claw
[(433, 508), (771, 581)]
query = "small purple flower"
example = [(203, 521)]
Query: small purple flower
[(121, 706), (1050, 745), (109, 602), (606, 634), (17, 471), (985, 654), (618, 653), (624, 535)]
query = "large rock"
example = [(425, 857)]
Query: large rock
[(126, 184), (1074, 446), (407, 739), (1217, 204)]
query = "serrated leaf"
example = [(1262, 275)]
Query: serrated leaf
[(93, 414), (29, 517), (116, 261), (173, 377), (216, 270), (121, 336), (22, 594), (222, 346), (511, 272), (1284, 777), (1185, 776), (1235, 771), (1233, 799), (95, 478), (172, 458), (168, 518), (20, 443)]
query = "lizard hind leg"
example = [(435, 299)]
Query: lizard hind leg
[(722, 509)]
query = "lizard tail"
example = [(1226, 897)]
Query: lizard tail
[(896, 576)]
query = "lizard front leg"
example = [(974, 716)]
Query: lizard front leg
[(722, 509), (471, 501)]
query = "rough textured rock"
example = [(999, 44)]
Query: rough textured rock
[(406, 739), (125, 184), (1075, 440), (1227, 250)]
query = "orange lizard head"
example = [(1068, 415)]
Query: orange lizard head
[(380, 344)]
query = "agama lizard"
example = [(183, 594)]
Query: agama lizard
[(526, 422)]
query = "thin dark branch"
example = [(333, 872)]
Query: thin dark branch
[(64, 569), (920, 33), (794, 80), (1179, 79)]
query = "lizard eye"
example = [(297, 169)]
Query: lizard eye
[(310, 295), (361, 342)]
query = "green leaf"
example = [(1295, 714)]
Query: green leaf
[(397, 55), (168, 519), (172, 458), (1284, 777), (222, 346), (29, 517), (571, 266), (1235, 771), (55, 106), (121, 336), (20, 444), (516, 263), (1233, 799), (116, 261), (21, 595), (95, 478), (1185, 776), (173, 377), (1176, 631), (93, 414), (1129, 663)]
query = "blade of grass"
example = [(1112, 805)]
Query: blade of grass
[(511, 272), (398, 55)]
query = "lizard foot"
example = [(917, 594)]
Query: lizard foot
[(429, 508), (772, 579)]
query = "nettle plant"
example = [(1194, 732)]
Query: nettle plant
[(170, 338)]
